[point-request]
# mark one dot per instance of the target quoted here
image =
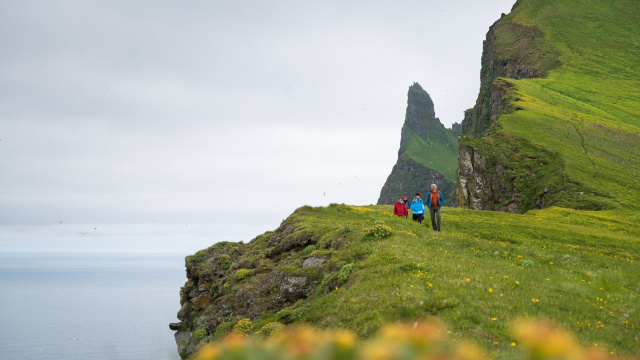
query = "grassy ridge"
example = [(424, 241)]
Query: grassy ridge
[(587, 110), (484, 271)]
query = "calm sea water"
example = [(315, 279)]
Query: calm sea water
[(76, 306)]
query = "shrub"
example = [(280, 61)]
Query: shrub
[(200, 334), (199, 256), (308, 250), (244, 327), (242, 274), (270, 329), (299, 314), (284, 313), (224, 261), (378, 232), (343, 274), (222, 330)]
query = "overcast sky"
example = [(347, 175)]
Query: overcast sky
[(171, 125)]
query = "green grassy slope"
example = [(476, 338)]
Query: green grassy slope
[(439, 151), (587, 111), (483, 271)]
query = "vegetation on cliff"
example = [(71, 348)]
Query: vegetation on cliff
[(561, 80), (427, 154), (484, 271)]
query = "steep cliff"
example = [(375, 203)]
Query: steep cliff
[(556, 87), (427, 152)]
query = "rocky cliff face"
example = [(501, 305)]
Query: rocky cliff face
[(232, 281), (510, 51), (427, 152), (409, 177)]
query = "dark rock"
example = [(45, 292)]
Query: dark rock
[(185, 342), (184, 310), (177, 326), (409, 177), (293, 288)]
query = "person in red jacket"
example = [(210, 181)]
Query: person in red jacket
[(400, 209)]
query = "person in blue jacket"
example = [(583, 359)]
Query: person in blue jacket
[(417, 209), (435, 200)]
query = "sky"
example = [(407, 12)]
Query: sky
[(167, 126)]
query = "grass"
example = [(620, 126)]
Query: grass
[(485, 270), (439, 151), (585, 112)]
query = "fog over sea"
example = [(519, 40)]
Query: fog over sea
[(89, 305)]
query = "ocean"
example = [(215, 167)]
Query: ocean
[(95, 306)]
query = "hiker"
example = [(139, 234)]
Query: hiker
[(400, 208), (406, 203), (434, 202), (417, 208)]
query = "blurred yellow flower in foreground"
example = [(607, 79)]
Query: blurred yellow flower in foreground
[(424, 340)]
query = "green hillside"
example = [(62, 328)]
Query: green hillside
[(588, 111), (439, 151), (569, 136), (585, 112), (487, 269)]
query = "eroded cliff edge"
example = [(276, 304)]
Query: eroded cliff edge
[(498, 172)]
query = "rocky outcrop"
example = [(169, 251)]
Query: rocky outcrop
[(232, 281), (484, 181), (508, 173), (481, 187), (409, 177), (420, 115), (511, 51), (426, 155)]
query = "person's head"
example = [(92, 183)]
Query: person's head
[(434, 187), (417, 195), (404, 198), (399, 199)]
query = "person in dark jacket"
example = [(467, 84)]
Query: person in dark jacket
[(417, 209), (400, 208), (435, 200), (406, 203)]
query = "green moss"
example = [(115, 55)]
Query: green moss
[(222, 330), (308, 250)]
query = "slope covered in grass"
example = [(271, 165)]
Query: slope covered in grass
[(584, 110), (485, 270)]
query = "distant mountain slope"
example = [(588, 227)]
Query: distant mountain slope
[(428, 152), (557, 121)]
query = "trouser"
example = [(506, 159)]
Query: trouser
[(418, 217), (435, 212)]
